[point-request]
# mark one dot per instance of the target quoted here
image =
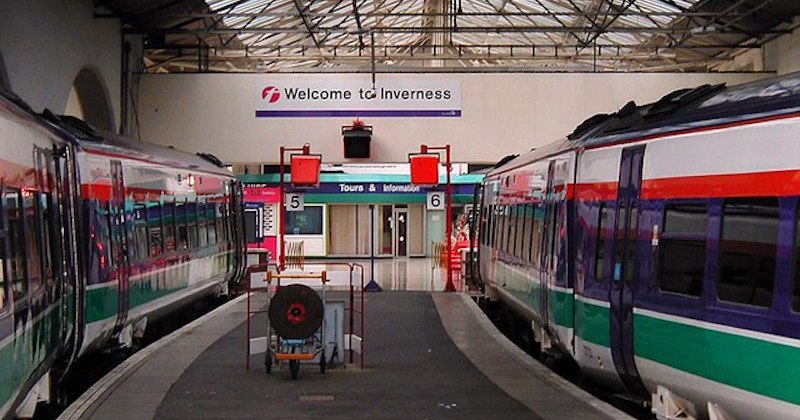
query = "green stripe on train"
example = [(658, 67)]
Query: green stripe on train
[(102, 303), (22, 355), (560, 303), (592, 323), (749, 363)]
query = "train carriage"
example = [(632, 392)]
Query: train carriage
[(159, 231), (676, 246), (99, 237)]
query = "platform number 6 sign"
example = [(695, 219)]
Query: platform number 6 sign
[(435, 200)]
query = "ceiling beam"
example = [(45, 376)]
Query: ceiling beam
[(461, 29), (309, 27)]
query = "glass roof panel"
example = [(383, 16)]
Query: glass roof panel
[(539, 33)]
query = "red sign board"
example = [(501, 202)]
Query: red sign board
[(305, 170), (424, 168)]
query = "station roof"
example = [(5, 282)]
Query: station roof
[(450, 35)]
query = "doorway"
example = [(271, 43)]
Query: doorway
[(401, 232)]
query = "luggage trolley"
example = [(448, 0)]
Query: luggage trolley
[(295, 327)]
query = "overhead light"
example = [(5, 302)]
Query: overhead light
[(704, 29)]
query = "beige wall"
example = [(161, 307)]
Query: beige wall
[(46, 43), (502, 113)]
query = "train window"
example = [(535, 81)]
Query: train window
[(154, 222), (685, 218), (559, 230), (500, 228), (485, 219), (211, 213), (48, 235), (202, 225), (526, 231), (191, 223), (514, 231), (683, 248), (520, 238), (492, 225), (536, 239), (511, 220), (748, 250), (15, 268), (226, 227), (600, 246), (168, 221), (116, 221), (32, 242), (506, 228), (140, 230), (181, 228)]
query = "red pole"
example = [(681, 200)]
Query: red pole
[(449, 287), (247, 276), (282, 218)]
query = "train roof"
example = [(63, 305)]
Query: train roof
[(94, 140), (678, 111), (77, 132)]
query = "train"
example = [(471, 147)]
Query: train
[(657, 248), (100, 236)]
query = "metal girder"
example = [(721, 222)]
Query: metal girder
[(540, 34), (308, 25), (461, 29)]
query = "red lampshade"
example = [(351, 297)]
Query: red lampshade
[(424, 168)]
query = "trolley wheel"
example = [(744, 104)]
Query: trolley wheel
[(268, 362), (322, 362), (294, 367)]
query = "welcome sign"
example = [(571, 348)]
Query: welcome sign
[(293, 98)]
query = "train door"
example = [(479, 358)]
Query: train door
[(73, 289), (119, 252), (236, 212), (624, 268), (53, 267), (548, 254), (477, 234)]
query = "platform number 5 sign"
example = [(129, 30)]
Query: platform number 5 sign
[(294, 202), (435, 200)]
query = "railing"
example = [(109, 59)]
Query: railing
[(355, 342)]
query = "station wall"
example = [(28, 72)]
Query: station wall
[(501, 113), (45, 46), (786, 50)]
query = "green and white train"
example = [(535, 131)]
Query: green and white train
[(99, 236), (659, 248)]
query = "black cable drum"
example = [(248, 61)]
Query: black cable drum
[(296, 311)]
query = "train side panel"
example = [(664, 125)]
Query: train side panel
[(717, 317), (595, 194), (170, 241), (32, 301), (523, 264)]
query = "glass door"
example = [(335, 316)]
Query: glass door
[(401, 233), (385, 235)]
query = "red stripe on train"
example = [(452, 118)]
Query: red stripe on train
[(597, 191), (778, 183)]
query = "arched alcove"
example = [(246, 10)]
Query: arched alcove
[(89, 100)]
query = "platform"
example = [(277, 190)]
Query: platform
[(429, 355)]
